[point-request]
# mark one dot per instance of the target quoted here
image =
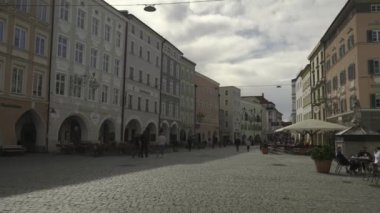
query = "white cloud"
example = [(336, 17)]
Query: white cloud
[(244, 42)]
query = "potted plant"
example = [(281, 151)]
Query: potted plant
[(323, 156), (264, 148)]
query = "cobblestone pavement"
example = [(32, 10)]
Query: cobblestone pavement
[(218, 180)]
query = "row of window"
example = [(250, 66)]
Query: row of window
[(18, 83), (169, 109), (141, 36), (141, 55), (333, 85), (139, 107), (171, 67), (375, 7), (340, 106), (41, 8), (20, 37), (76, 89), (80, 55), (372, 36), (170, 86), (140, 78), (64, 10), (342, 52)]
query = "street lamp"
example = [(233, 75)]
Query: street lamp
[(149, 8)]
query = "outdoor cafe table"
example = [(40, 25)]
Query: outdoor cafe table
[(363, 163)]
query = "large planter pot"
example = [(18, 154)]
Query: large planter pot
[(323, 166), (264, 151)]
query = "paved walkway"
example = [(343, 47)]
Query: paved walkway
[(218, 180)]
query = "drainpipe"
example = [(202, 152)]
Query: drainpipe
[(195, 106), (50, 71), (124, 82), (160, 85)]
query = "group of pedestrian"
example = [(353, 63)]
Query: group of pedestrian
[(244, 141), (141, 144)]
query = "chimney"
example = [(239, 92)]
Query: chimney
[(262, 94)]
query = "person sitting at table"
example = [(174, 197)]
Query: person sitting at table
[(341, 159), (363, 165), (365, 153)]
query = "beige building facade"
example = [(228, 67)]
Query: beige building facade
[(352, 63), (25, 35)]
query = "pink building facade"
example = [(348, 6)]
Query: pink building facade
[(206, 108)]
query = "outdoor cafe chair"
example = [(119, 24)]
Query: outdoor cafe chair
[(339, 166), (374, 173)]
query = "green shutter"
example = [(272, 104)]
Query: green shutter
[(369, 35), (370, 66), (373, 101)]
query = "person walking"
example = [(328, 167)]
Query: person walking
[(161, 144), (189, 143), (248, 143), (237, 143), (144, 145), (214, 141), (136, 146)]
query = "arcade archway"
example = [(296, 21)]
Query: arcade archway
[(107, 132), (72, 130), (30, 131), (173, 132), (132, 129), (151, 131)]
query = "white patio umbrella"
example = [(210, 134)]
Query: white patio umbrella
[(312, 126)]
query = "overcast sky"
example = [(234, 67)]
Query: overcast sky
[(243, 43)]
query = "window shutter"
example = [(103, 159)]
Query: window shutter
[(373, 101), (369, 35), (370, 66)]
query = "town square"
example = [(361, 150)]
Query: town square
[(189, 106)]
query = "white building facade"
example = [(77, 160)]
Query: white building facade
[(317, 83), (230, 106), (294, 101), (86, 73), (170, 94), (142, 80), (251, 119), (299, 98), (306, 87), (187, 113)]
